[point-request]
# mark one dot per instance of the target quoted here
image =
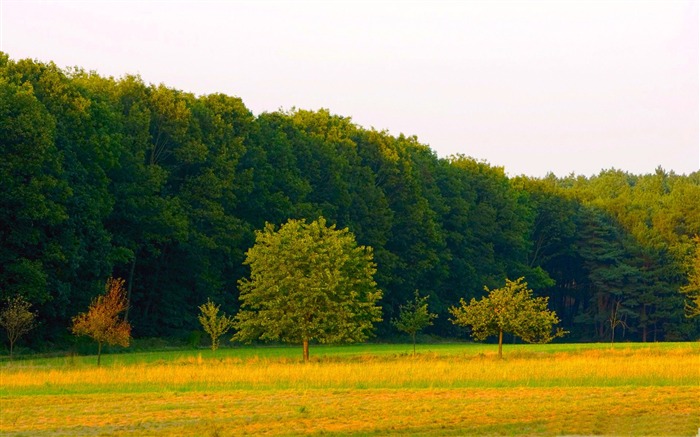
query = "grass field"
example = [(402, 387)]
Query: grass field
[(447, 389)]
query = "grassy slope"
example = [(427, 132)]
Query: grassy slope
[(448, 389)]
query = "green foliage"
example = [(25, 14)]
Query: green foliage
[(692, 289), (214, 324), (308, 282), (102, 322), (104, 176), (510, 309), (414, 317), (32, 193), (17, 319)]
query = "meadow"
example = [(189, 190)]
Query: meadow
[(446, 389)]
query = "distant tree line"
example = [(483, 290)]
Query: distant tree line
[(104, 177)]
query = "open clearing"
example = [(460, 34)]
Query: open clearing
[(457, 389)]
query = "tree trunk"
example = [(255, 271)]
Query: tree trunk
[(12, 345), (500, 343), (306, 350), (156, 281), (128, 288), (414, 344), (99, 352), (612, 336)]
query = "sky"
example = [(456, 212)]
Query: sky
[(557, 86)]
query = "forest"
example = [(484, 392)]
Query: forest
[(114, 177)]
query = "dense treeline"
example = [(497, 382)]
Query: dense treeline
[(104, 177)]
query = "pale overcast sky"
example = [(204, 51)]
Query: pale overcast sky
[(534, 86)]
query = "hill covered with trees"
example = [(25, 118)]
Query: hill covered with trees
[(114, 177)]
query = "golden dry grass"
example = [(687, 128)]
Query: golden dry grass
[(640, 391), (581, 411)]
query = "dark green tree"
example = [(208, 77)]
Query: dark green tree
[(33, 193)]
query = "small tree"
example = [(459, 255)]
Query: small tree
[(308, 281), (17, 320), (414, 317), (213, 324), (509, 309), (102, 322)]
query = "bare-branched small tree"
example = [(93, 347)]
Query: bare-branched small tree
[(17, 319)]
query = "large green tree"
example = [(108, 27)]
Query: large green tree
[(510, 309), (308, 282)]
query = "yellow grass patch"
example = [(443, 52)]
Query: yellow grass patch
[(642, 411), (597, 368)]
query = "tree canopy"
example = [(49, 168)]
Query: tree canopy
[(308, 282)]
